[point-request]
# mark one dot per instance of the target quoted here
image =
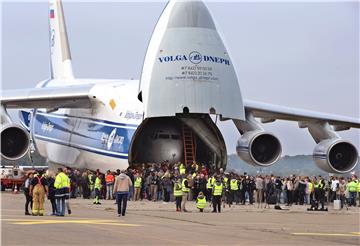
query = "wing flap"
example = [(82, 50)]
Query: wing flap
[(270, 112), (49, 97)]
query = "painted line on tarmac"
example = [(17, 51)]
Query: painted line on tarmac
[(176, 219), (66, 220), (88, 222), (352, 234)]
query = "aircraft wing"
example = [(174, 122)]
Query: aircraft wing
[(270, 112), (77, 96)]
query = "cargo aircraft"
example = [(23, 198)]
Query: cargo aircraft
[(187, 77)]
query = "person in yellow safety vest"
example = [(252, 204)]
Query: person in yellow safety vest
[(97, 187), (91, 181), (178, 194), (226, 191), (312, 194), (209, 189), (226, 182), (194, 166), (217, 193), (182, 169), (67, 171), (201, 201), (61, 184), (320, 193), (137, 186), (213, 179), (194, 175), (352, 190), (38, 189), (234, 188), (309, 191), (185, 192), (358, 191)]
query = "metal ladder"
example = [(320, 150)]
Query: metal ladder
[(189, 145)]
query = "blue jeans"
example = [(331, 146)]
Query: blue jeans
[(131, 193), (278, 195), (285, 197), (60, 205), (159, 195), (109, 191), (352, 198), (121, 199)]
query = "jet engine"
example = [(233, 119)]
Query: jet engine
[(14, 141), (335, 156), (259, 148)]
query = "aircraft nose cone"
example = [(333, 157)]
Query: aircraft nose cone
[(193, 14), (187, 67)]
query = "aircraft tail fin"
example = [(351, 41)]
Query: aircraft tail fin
[(59, 45)]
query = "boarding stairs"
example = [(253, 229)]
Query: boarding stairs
[(189, 145)]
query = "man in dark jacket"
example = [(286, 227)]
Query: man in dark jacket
[(73, 182), (270, 194), (196, 186), (85, 185), (250, 189), (154, 181), (26, 188), (243, 189), (278, 189), (301, 188), (52, 190), (167, 188), (202, 184), (129, 173)]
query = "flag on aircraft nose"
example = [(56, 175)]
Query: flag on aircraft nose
[(52, 14)]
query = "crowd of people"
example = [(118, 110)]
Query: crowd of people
[(40, 184), (179, 183)]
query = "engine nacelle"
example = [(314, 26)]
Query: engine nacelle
[(335, 156), (15, 141), (259, 148)]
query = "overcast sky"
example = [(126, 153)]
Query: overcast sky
[(303, 55)]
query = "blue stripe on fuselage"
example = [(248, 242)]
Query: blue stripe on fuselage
[(91, 119), (100, 152), (97, 136)]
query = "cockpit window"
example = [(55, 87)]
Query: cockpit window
[(164, 136)]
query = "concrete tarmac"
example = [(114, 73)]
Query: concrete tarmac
[(156, 223)]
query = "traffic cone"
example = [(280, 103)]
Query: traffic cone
[(16, 189)]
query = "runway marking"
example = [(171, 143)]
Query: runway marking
[(352, 234), (91, 222), (176, 219)]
